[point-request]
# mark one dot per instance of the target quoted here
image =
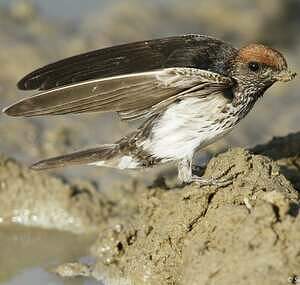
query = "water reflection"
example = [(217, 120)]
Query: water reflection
[(28, 254)]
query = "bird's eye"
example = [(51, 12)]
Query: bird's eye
[(253, 66)]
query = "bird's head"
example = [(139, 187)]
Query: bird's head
[(257, 67)]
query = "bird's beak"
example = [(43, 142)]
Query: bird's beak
[(285, 76)]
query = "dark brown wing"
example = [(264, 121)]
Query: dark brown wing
[(132, 96), (194, 51)]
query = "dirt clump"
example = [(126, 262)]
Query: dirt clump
[(286, 152), (245, 232)]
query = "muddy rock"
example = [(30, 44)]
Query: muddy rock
[(286, 152), (247, 231), (36, 199)]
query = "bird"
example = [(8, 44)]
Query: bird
[(187, 91)]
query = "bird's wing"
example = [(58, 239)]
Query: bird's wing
[(194, 51), (132, 96)]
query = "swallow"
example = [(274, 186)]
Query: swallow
[(188, 91)]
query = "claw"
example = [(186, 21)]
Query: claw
[(213, 181)]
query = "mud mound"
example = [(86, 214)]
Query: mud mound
[(36, 199), (244, 232), (286, 152)]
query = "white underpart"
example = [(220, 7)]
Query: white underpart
[(127, 161), (186, 126)]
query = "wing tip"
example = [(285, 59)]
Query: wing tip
[(21, 84), (14, 110), (32, 80), (5, 110), (22, 108), (26, 83), (37, 167), (9, 111), (42, 165)]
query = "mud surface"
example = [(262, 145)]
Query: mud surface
[(286, 152), (246, 231)]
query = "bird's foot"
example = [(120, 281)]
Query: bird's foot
[(212, 181), (221, 180)]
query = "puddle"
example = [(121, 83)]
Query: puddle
[(28, 255), (38, 275)]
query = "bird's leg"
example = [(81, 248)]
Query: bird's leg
[(185, 170), (216, 180)]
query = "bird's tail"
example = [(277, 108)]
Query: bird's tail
[(105, 155)]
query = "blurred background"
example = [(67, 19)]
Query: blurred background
[(36, 32)]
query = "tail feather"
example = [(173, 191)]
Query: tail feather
[(90, 156)]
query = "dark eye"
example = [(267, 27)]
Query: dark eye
[(253, 66)]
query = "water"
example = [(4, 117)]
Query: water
[(29, 254), (38, 275)]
